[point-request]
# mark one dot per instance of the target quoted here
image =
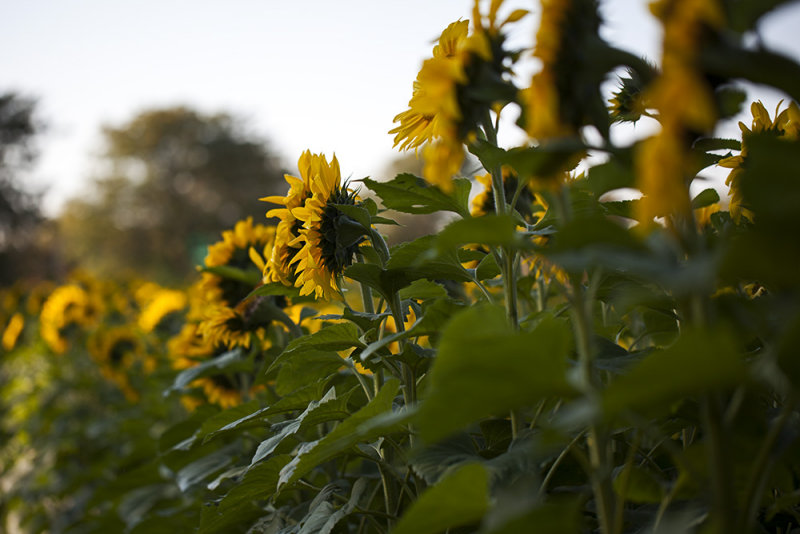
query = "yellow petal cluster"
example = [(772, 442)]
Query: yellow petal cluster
[(786, 124), (684, 101)]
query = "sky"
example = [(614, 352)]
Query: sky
[(328, 76)]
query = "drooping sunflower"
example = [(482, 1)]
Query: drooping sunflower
[(563, 95), (786, 124), (444, 110), (278, 265), (327, 247), (685, 103), (67, 306)]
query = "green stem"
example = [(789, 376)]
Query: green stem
[(504, 254), (723, 501), (556, 463), (410, 389), (380, 246), (366, 292), (625, 480)]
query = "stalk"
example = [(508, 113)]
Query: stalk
[(501, 208), (596, 438), (504, 255)]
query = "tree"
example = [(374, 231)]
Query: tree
[(174, 179), (19, 208)]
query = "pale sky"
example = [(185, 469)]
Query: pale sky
[(328, 76)]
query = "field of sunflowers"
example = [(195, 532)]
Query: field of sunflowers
[(559, 358)]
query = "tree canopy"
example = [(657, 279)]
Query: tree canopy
[(171, 181)]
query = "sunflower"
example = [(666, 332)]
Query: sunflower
[(117, 351), (327, 245), (786, 124), (67, 306), (160, 308), (279, 260), (483, 203), (186, 350), (444, 112), (562, 94), (234, 251), (234, 327), (685, 103), (12, 331)]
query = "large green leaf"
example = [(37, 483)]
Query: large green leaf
[(204, 467), (616, 173), (558, 517), (345, 435), (410, 194), (252, 413), (238, 507), (458, 499), (496, 230), (308, 366), (545, 160), (701, 361), (328, 408), (233, 360), (486, 368), (409, 262), (340, 336)]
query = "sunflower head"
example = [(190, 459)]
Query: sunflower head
[(12, 331), (277, 267), (119, 352), (454, 90), (786, 124), (234, 252), (627, 102), (68, 307), (162, 311), (483, 203), (329, 238), (565, 94)]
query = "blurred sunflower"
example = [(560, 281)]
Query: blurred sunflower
[(564, 94), (188, 349), (67, 306), (685, 103), (226, 316), (161, 309), (233, 251), (329, 239), (483, 203), (786, 124), (235, 327), (446, 106), (12, 331), (119, 352)]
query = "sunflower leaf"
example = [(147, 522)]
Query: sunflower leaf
[(460, 498), (466, 386), (410, 194)]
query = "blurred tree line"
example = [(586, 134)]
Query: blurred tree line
[(169, 182), (172, 180), (22, 249)]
